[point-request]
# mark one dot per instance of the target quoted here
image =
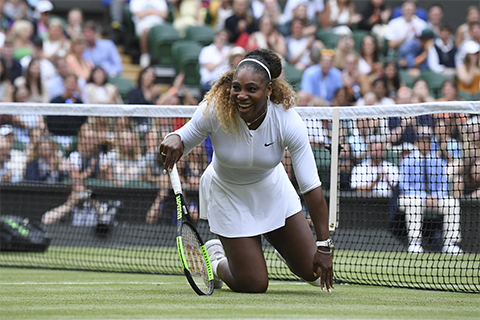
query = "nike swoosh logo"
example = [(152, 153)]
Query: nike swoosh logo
[(269, 144)]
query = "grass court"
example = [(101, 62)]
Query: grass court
[(55, 294)]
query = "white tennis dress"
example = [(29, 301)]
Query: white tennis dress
[(245, 191)]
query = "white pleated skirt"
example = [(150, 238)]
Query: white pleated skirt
[(247, 210)]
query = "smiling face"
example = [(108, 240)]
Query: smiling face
[(249, 93)]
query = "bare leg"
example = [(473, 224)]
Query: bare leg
[(296, 244), (245, 269)]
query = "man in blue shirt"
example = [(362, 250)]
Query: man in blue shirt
[(423, 185), (322, 80), (102, 52)]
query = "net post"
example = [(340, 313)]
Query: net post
[(332, 211)]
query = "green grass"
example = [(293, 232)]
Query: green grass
[(427, 271), (53, 294)]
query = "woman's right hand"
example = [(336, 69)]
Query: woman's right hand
[(170, 151)]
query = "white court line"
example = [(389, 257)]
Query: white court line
[(296, 283), (114, 282), (80, 283)]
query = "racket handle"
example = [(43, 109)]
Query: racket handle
[(175, 179)]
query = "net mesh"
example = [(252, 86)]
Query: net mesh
[(406, 193)]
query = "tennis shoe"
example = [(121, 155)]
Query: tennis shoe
[(216, 254), (451, 248), (415, 247)]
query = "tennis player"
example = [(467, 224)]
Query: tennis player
[(245, 192)]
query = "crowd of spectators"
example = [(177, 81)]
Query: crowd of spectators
[(45, 58)]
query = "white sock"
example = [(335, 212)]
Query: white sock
[(215, 264)]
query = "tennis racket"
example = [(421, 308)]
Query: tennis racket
[(191, 248)]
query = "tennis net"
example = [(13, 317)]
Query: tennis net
[(399, 215)]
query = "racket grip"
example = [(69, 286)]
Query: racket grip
[(175, 179)]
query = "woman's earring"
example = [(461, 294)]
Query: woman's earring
[(268, 99)]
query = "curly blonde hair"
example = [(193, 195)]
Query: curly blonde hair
[(219, 99)]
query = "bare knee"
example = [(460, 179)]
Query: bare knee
[(246, 270), (255, 286), (246, 282)]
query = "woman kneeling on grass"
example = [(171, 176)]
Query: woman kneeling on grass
[(245, 192)]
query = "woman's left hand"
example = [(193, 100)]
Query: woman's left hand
[(323, 267)]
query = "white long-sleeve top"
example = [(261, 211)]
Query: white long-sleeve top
[(251, 155)]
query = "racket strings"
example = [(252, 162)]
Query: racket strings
[(194, 258)]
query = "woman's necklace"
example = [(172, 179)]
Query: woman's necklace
[(251, 122)]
